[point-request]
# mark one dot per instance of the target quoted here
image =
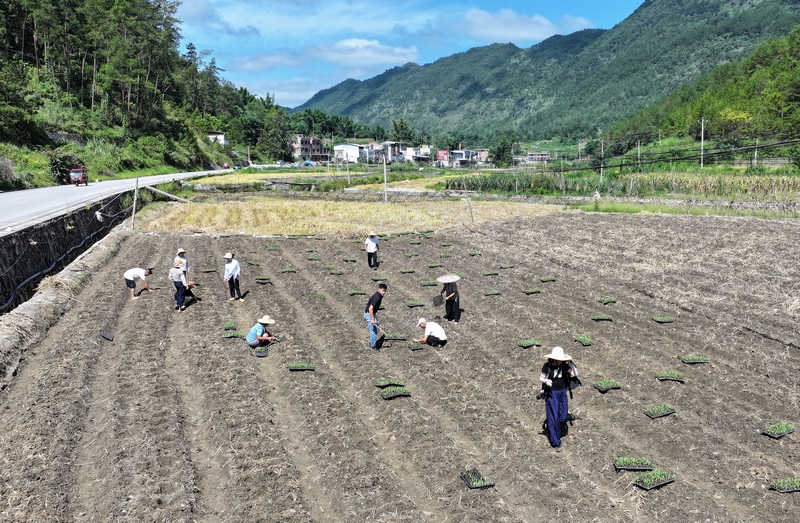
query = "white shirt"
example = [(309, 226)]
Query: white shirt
[(134, 274), (371, 244), (232, 269), (434, 329)]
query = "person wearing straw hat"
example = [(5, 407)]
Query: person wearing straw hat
[(372, 248), (131, 275), (259, 336), (555, 377), (181, 257), (178, 279), (452, 306), (434, 334), (232, 272), (371, 315)]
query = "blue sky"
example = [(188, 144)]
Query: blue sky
[(292, 49)]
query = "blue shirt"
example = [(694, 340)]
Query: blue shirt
[(257, 330)]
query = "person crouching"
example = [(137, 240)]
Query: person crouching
[(434, 334)]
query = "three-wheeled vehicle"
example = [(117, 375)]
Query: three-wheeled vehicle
[(78, 176)]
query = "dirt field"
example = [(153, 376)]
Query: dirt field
[(171, 422)]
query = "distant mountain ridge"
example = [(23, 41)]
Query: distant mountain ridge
[(570, 85)]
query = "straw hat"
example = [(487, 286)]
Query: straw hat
[(180, 251), (266, 320), (228, 256), (177, 263), (421, 321), (448, 278), (372, 233), (558, 354)]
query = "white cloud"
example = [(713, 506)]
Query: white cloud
[(575, 23), (290, 92), (505, 26), (200, 14)]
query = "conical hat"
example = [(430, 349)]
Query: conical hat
[(448, 278)]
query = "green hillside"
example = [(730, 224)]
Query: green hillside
[(568, 86)]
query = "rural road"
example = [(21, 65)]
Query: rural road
[(20, 209)]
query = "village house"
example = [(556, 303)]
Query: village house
[(310, 148), (218, 137)]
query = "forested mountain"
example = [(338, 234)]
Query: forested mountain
[(568, 86), (758, 97)]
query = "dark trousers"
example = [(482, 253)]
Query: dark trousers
[(233, 286), (372, 259), (556, 407), (452, 309), (180, 293), (433, 341)]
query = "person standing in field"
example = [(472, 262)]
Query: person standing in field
[(178, 279), (181, 256), (131, 275), (556, 378), (371, 315), (434, 334), (372, 248), (232, 271), (452, 306)]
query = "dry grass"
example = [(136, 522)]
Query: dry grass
[(279, 216), (240, 178)]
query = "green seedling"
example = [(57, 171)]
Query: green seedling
[(407, 271), (316, 296), (313, 258), (529, 343), (412, 304), (311, 250), (474, 253), (606, 300), (694, 359), (232, 334), (474, 479), (584, 340), (602, 317), (379, 278), (263, 278), (429, 283), (545, 279), (404, 233), (208, 270), (506, 266), (229, 326), (356, 292), (251, 262), (415, 242), (445, 255), (493, 292), (341, 251), (337, 272), (625, 462), (534, 290), (606, 385), (389, 382), (349, 260), (301, 366), (663, 319), (660, 410), (491, 273), (427, 236), (288, 269), (392, 392), (414, 345), (786, 484), (434, 265), (328, 267), (669, 375), (412, 254), (426, 231), (779, 429), (653, 477), (447, 245)]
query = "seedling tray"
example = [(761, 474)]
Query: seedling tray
[(107, 335), (208, 270), (660, 415), (429, 284), (602, 317), (261, 353), (474, 479), (669, 378), (493, 292), (654, 485), (233, 334), (388, 393), (635, 468), (299, 367), (389, 382), (434, 265), (289, 270), (663, 319), (251, 262), (545, 279), (337, 272), (776, 436), (525, 344), (603, 390), (691, 361), (606, 300), (584, 340), (407, 271), (784, 486), (491, 273), (356, 292), (395, 337), (349, 260), (532, 291), (379, 278), (415, 346)]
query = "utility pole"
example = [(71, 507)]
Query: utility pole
[(755, 155), (385, 184), (659, 137), (602, 160), (639, 153), (702, 138), (347, 161)]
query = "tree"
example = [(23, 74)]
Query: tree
[(276, 139), (502, 153), (402, 131)]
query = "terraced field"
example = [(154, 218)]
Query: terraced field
[(172, 422)]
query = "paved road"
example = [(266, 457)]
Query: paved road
[(20, 209)]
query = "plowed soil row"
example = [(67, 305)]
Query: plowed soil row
[(171, 422)]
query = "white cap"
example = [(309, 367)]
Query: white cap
[(180, 251), (228, 256), (421, 321)]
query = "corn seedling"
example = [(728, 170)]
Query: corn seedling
[(313, 258), (415, 346), (337, 272), (506, 266), (533, 290), (584, 340), (447, 245), (426, 231), (395, 336), (665, 409), (434, 265), (786, 485), (390, 392), (529, 343), (445, 255), (605, 385), (232, 334), (606, 300), (626, 463), (316, 297), (254, 263), (412, 304), (407, 271), (389, 382), (229, 326), (415, 242), (602, 317), (328, 267), (778, 430), (493, 292), (474, 253), (379, 278), (670, 375), (545, 279), (491, 273), (349, 260), (412, 254), (356, 292), (653, 478), (311, 250), (474, 479), (288, 269), (301, 366), (663, 319), (694, 359)]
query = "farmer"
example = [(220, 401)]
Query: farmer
[(434, 334), (555, 378), (181, 256), (452, 307), (232, 271), (132, 275), (372, 248), (178, 279), (371, 315), (183, 260), (259, 336)]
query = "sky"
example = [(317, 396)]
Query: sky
[(291, 49)]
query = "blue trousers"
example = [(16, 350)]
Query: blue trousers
[(180, 291), (373, 330), (556, 407)]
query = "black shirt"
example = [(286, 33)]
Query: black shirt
[(559, 375), (375, 301)]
